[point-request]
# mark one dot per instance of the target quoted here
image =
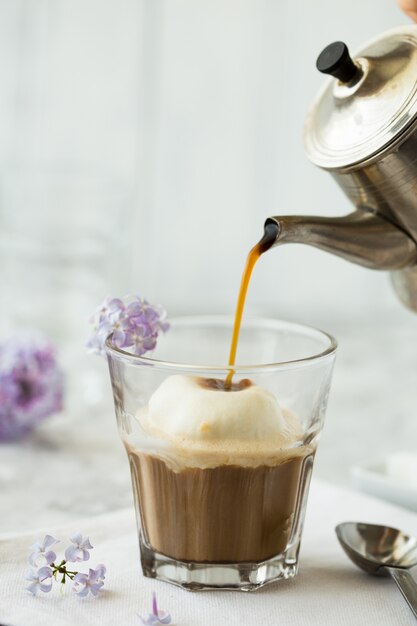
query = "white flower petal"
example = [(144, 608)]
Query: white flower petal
[(72, 554), (33, 588), (31, 574), (44, 573), (33, 559), (50, 557), (86, 545), (82, 593), (77, 539), (49, 541)]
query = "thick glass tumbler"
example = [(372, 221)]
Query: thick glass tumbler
[(221, 466)]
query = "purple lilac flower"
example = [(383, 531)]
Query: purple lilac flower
[(80, 550), (91, 582), (156, 617), (135, 325), (41, 580), (40, 554), (31, 383)]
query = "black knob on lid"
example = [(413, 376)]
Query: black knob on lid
[(336, 61)]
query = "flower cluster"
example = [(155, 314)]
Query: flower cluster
[(134, 325), (44, 568), (156, 617), (31, 383)]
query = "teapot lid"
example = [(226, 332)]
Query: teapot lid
[(368, 102)]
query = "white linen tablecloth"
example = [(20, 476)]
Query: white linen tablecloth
[(328, 590)]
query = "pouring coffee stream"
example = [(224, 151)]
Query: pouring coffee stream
[(362, 129), (268, 240), (361, 237)]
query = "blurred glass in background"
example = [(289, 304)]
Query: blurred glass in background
[(64, 246)]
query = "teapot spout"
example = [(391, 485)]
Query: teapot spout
[(361, 237)]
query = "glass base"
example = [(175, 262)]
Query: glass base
[(200, 576)]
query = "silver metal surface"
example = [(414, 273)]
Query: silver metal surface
[(388, 187), (361, 237), (365, 134), (351, 121), (382, 551)]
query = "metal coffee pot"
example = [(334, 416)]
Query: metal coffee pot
[(362, 129)]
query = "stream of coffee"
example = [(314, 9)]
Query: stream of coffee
[(267, 241)]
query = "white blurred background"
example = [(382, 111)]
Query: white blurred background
[(142, 145), (194, 111)]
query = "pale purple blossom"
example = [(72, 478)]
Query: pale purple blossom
[(40, 580), (91, 582), (80, 550), (31, 383), (157, 616), (40, 554), (58, 570), (135, 325)]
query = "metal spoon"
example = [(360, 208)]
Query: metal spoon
[(381, 550)]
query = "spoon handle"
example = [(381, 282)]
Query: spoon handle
[(406, 584)]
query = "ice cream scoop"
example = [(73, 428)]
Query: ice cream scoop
[(201, 409), (200, 422)]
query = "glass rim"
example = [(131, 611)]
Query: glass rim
[(195, 320)]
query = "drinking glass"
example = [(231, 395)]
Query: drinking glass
[(208, 518)]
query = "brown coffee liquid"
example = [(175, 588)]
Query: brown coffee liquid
[(267, 241), (223, 514)]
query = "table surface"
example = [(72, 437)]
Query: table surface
[(328, 591), (74, 464)]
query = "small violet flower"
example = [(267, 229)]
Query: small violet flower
[(38, 579), (91, 582), (31, 383), (80, 550), (40, 554), (42, 579), (156, 617), (135, 325)]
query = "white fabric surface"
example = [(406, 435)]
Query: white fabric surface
[(328, 590)]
